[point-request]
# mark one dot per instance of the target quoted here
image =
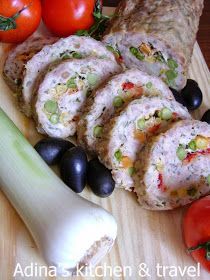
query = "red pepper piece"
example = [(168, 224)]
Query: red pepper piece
[(160, 183), (154, 128), (127, 86), (120, 59), (191, 156)]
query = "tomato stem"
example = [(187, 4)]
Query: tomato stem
[(205, 246), (97, 29), (8, 23)]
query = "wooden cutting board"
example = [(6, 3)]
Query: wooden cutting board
[(144, 237)]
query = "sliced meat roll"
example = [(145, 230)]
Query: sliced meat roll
[(112, 98), (156, 36), (71, 47), (125, 135), (62, 94), (18, 57), (174, 168)]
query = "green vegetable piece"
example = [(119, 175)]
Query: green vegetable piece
[(171, 75), (71, 83), (159, 57), (208, 179), (172, 64), (118, 101), (114, 51), (118, 155), (181, 152), (65, 55), (141, 124), (76, 55), (149, 85), (98, 130), (54, 119), (51, 106), (139, 55), (166, 114), (192, 191), (92, 79), (88, 93), (110, 48), (131, 171), (192, 145)]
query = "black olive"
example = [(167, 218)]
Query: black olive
[(206, 117), (100, 178), (192, 95), (52, 149), (73, 169), (178, 97)]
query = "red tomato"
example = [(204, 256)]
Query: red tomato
[(26, 15), (196, 230), (65, 17)]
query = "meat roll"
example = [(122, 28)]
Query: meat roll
[(126, 134), (111, 99), (156, 36), (71, 47), (19, 56), (63, 91), (174, 168)]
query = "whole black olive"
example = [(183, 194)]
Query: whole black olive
[(73, 169), (192, 95), (206, 117), (178, 97), (52, 149), (100, 178)]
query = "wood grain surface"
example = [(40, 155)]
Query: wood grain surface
[(143, 236)]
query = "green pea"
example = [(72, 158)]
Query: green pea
[(118, 101), (171, 75), (76, 55), (149, 85), (54, 119), (97, 132), (131, 171), (208, 179), (92, 79), (118, 155), (141, 124), (71, 83), (192, 145), (181, 152), (139, 55), (192, 191), (51, 106), (172, 64), (166, 114)]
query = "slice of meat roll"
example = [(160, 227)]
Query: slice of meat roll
[(174, 168), (111, 99), (19, 56), (62, 94), (125, 135), (156, 36), (70, 47)]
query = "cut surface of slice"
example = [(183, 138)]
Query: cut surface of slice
[(70, 47), (62, 93), (173, 169), (125, 135), (112, 98)]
